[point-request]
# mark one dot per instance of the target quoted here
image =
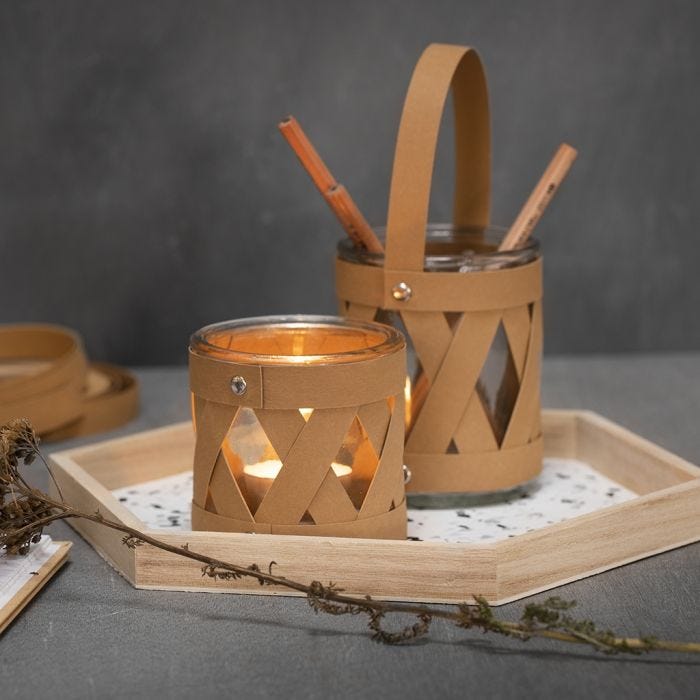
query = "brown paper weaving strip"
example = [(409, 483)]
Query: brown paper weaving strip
[(390, 526), (45, 376), (482, 471), (440, 291), (319, 386), (440, 67)]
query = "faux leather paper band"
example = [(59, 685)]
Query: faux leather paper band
[(440, 291), (475, 472), (440, 67), (388, 526), (290, 386)]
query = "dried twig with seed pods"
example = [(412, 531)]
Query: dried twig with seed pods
[(25, 511)]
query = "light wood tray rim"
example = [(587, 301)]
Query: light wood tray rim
[(658, 519)]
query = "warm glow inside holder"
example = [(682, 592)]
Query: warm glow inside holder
[(299, 424)]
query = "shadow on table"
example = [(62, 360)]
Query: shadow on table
[(186, 603), (488, 647)]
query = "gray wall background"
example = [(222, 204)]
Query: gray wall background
[(145, 191)]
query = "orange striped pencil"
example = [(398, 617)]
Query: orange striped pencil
[(336, 196)]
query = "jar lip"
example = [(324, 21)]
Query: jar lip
[(435, 232), (391, 339)]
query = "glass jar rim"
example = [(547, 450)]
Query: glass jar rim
[(435, 232), (389, 339)]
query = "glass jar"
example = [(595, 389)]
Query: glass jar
[(297, 452), (466, 251)]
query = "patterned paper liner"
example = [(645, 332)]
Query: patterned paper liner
[(566, 488)]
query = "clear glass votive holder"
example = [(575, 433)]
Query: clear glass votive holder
[(299, 427)]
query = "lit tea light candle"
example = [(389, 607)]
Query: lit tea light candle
[(274, 379), (259, 476)]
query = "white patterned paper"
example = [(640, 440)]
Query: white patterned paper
[(565, 489), (18, 569)]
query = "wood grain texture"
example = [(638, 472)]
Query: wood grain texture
[(419, 571)]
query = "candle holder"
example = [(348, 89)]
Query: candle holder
[(299, 426), (471, 313)]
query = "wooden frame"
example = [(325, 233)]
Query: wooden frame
[(662, 517)]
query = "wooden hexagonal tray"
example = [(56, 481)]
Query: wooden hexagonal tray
[(659, 514)]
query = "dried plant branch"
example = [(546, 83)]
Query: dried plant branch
[(26, 511)]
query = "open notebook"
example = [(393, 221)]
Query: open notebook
[(22, 577)]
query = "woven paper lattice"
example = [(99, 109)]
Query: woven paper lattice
[(454, 442), (306, 488), (332, 467)]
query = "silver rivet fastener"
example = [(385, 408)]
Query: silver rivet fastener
[(239, 386), (401, 292), (406, 474)]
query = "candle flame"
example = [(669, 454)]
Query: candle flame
[(270, 468)]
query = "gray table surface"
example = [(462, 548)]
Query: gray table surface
[(90, 634)]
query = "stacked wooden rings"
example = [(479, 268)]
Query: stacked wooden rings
[(46, 378)]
